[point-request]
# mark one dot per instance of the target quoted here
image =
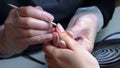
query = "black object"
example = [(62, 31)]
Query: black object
[(107, 52)]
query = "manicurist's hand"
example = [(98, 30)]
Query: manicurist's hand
[(73, 56), (25, 26)]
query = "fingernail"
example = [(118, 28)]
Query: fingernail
[(62, 44), (38, 7), (55, 38), (49, 17), (60, 28)]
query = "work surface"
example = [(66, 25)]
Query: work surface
[(21, 62)]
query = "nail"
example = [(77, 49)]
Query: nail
[(61, 44), (60, 28)]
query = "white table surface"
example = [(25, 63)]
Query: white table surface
[(21, 62)]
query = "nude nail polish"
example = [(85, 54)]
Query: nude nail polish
[(60, 28)]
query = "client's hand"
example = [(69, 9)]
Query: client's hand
[(83, 29), (73, 56)]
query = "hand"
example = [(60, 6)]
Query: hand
[(74, 56), (26, 26), (83, 29)]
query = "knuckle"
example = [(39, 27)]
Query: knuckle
[(28, 8), (28, 20), (21, 32), (18, 22), (25, 22), (25, 10), (29, 41)]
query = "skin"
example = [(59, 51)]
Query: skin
[(23, 27), (79, 38), (73, 56), (32, 26), (84, 29), (26, 26)]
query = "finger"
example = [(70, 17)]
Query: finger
[(31, 23), (59, 28), (62, 44), (74, 31), (55, 39), (30, 32), (37, 39), (35, 13), (70, 42)]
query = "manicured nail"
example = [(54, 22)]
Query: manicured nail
[(61, 44), (60, 28)]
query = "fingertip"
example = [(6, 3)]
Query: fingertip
[(62, 44), (48, 17), (59, 28)]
